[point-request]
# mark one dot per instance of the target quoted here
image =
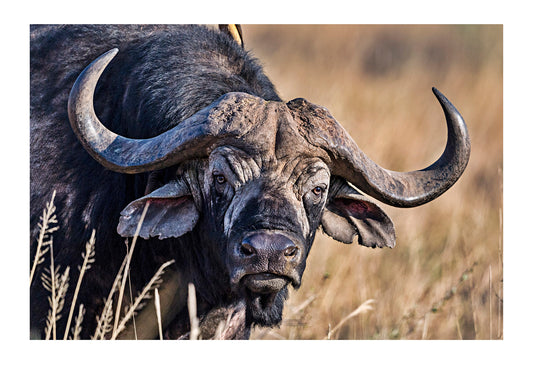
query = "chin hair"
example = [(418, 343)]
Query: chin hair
[(268, 314)]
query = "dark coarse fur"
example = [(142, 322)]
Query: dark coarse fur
[(162, 75)]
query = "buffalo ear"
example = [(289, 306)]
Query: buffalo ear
[(348, 213), (171, 213)]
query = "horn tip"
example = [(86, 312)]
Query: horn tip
[(446, 103), (111, 53), (438, 94)]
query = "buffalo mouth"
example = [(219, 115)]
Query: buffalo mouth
[(265, 283), (265, 295)]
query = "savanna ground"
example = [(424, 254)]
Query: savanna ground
[(444, 278)]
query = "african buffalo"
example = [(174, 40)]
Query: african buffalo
[(238, 181)]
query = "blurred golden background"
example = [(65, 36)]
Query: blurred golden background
[(444, 278)]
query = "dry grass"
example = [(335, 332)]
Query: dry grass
[(57, 284), (444, 279), (88, 259), (46, 229), (191, 305)]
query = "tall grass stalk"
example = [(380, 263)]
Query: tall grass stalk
[(191, 303), (158, 313), (458, 326), (45, 233), (77, 323), (363, 308), (106, 317), (304, 305), (57, 285), (127, 268), (426, 325), (131, 300), (490, 302), (144, 295), (88, 258)]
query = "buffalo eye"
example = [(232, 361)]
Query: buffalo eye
[(220, 184), (318, 191), (220, 179)]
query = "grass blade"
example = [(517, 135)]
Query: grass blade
[(127, 268), (88, 258), (158, 313), (363, 308)]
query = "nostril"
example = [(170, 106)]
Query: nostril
[(291, 251), (247, 249), (268, 246)]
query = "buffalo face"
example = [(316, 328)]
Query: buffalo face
[(260, 202), (268, 213)]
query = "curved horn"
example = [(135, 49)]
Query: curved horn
[(399, 189), (189, 139)]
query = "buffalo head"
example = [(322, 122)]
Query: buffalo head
[(260, 177)]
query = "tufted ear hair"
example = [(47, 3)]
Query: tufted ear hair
[(348, 213), (171, 213)]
